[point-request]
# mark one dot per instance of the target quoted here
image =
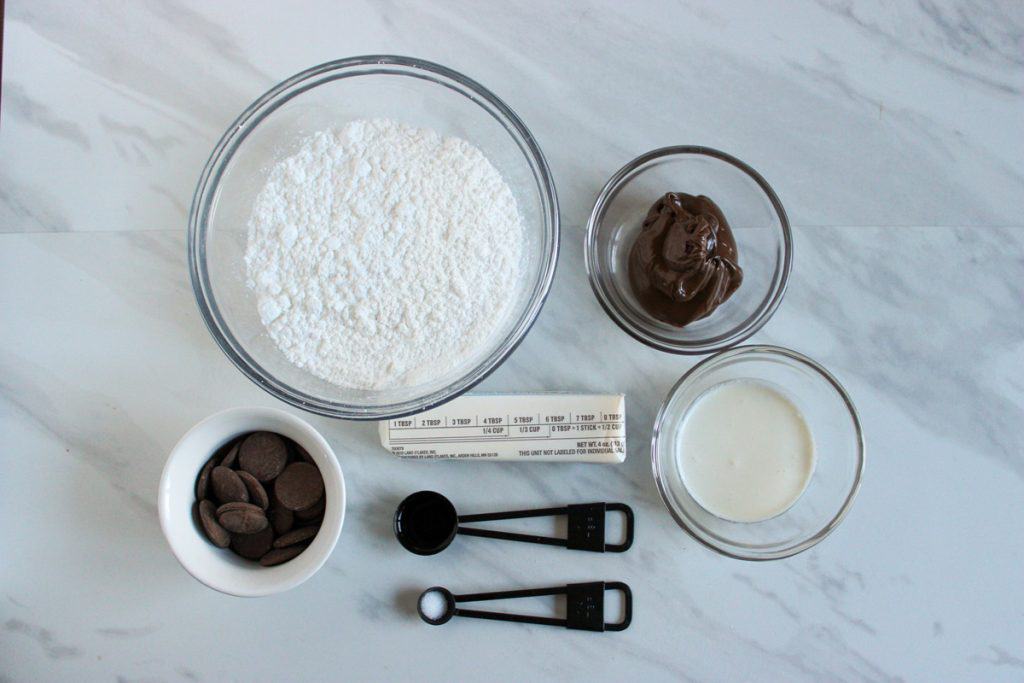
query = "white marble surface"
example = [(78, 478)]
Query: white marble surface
[(894, 133)]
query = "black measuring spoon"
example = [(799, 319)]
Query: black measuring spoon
[(426, 523), (584, 606)]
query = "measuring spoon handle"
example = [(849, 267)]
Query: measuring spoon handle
[(586, 526)]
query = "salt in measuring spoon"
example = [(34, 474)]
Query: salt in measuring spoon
[(584, 606)]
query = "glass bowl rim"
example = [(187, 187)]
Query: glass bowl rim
[(250, 118), (694, 348), (682, 519)]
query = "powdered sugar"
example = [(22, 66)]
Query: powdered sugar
[(383, 255)]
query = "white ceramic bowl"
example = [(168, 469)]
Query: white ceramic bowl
[(219, 568)]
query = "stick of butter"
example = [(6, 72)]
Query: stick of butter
[(549, 427)]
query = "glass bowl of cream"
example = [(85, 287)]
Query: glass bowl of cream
[(332, 280), (758, 452), (744, 201)]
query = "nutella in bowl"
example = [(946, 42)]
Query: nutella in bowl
[(683, 264), (678, 276)]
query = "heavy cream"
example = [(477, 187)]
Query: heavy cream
[(745, 451)]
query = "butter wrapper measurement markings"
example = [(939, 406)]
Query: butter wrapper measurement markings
[(550, 427)]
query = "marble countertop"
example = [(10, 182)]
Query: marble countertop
[(894, 134)]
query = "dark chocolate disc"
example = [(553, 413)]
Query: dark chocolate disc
[(298, 536), (253, 546), (263, 455), (281, 555), (257, 494), (217, 534), (227, 486), (242, 520), (299, 487)]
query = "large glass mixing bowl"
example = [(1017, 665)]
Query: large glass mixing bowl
[(411, 91)]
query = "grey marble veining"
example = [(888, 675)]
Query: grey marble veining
[(893, 135), (861, 115)]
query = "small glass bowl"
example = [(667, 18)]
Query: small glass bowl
[(763, 241), (839, 447), (412, 91)]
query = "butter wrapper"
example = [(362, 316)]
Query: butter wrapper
[(545, 427)]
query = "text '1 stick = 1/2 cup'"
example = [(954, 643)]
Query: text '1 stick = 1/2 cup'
[(548, 427)]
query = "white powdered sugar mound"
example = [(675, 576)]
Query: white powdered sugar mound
[(383, 255)]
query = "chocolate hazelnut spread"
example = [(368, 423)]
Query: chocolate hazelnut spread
[(683, 264)]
